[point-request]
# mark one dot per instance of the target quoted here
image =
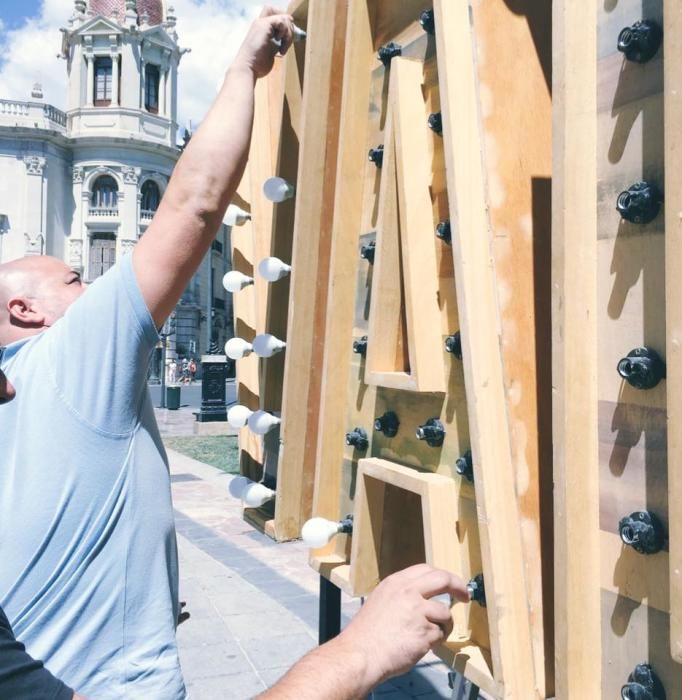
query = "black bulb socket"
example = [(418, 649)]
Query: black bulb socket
[(376, 155), (643, 684), (643, 532), (643, 368), (427, 21), (367, 252), (435, 123), (360, 346), (358, 439), (388, 52), (432, 432), (453, 345), (640, 203), (444, 232), (387, 424), (464, 466), (476, 590), (640, 42)]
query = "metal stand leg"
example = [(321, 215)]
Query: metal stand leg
[(330, 610), (462, 689)]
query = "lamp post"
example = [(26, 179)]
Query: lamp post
[(167, 329)]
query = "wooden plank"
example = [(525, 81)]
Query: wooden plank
[(510, 633), (576, 502), (310, 253), (672, 32), (344, 264)]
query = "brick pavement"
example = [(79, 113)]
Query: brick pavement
[(253, 602)]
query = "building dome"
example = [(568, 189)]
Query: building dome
[(153, 8)]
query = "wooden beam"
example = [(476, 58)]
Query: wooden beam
[(319, 133), (672, 33), (344, 262), (574, 277), (500, 532)]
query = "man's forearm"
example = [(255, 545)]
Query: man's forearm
[(202, 185), (334, 671)]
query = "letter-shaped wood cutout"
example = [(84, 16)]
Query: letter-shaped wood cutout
[(405, 348)]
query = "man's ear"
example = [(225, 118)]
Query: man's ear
[(22, 312)]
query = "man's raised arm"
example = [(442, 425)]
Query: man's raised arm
[(207, 174)]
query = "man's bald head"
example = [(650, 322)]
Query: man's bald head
[(34, 292)]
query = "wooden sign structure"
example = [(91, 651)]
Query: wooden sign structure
[(295, 132), (486, 169), (617, 280)]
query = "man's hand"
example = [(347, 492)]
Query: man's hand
[(399, 623), (257, 52), (395, 627)]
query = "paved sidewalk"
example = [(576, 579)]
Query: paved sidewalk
[(253, 602)]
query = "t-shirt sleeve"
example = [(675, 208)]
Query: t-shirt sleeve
[(101, 349), (21, 676)]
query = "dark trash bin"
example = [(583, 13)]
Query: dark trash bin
[(172, 398)]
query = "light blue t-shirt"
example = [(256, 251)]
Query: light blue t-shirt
[(88, 555)]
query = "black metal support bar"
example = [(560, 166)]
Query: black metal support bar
[(462, 689), (330, 610)]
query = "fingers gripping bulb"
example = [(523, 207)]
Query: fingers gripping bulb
[(278, 190), (261, 422), (317, 532), (256, 494), (273, 269), (238, 415), (266, 345), (235, 216), (235, 281)]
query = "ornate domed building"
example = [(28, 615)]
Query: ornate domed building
[(84, 184)]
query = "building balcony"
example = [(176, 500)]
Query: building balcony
[(146, 215), (103, 212), (32, 115)]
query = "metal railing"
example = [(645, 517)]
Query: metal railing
[(103, 212)]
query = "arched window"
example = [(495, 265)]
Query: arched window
[(151, 196), (104, 193)]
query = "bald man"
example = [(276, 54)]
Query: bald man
[(88, 574)]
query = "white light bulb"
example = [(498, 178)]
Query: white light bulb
[(256, 494), (273, 269), (261, 422), (238, 415), (234, 216), (237, 486), (277, 189), (236, 348), (266, 345), (234, 281), (317, 532)]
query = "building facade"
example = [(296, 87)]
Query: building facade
[(83, 184)]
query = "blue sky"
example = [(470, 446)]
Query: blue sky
[(212, 29), (14, 12)]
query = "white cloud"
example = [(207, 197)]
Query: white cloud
[(212, 29)]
